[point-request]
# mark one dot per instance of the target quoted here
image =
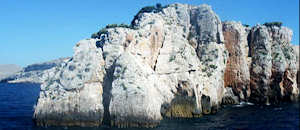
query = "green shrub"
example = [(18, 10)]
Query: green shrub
[(98, 34), (208, 60), (124, 25), (157, 8), (148, 9), (94, 35), (111, 25), (209, 74), (123, 86), (213, 66), (288, 57), (270, 24), (246, 25), (172, 58), (104, 30), (276, 55)]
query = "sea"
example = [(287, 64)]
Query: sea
[(17, 106)]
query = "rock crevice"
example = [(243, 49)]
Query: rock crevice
[(179, 61)]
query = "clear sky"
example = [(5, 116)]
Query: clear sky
[(34, 31)]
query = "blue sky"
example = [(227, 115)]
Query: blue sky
[(37, 31)]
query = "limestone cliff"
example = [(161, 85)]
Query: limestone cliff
[(72, 91), (273, 68), (237, 74), (177, 61), (296, 50)]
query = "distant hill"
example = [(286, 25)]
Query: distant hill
[(30, 73), (8, 69)]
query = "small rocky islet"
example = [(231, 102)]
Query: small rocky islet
[(176, 61)]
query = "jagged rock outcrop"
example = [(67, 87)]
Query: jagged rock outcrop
[(33, 73), (166, 66), (72, 92), (170, 63), (296, 50), (273, 69), (271, 61), (137, 93), (237, 74)]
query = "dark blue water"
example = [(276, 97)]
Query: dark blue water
[(17, 100)]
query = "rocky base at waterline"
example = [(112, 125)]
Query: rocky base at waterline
[(177, 61)]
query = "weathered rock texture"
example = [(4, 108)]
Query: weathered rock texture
[(171, 63), (273, 69), (72, 92), (237, 73), (296, 50)]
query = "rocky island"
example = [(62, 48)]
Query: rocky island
[(176, 61)]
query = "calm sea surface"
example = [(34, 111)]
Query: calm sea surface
[(17, 101)]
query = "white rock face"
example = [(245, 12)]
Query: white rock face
[(170, 63), (137, 93), (174, 56), (273, 69), (296, 50), (237, 74), (72, 93)]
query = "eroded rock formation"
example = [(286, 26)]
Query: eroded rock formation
[(170, 63), (273, 68), (237, 74), (72, 92), (296, 50)]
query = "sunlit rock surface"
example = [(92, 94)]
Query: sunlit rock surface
[(72, 92), (273, 68), (177, 61), (237, 74)]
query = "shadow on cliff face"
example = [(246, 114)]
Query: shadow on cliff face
[(107, 87)]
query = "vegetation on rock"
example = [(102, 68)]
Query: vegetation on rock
[(246, 25), (104, 30), (270, 24), (148, 9)]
